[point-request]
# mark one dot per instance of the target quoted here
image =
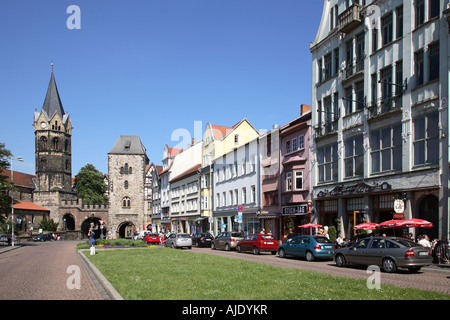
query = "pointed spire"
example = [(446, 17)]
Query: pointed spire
[(52, 103)]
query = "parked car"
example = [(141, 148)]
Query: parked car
[(389, 253), (179, 240), (202, 240), (227, 240), (258, 243), (5, 238), (309, 247), (151, 238), (43, 237)]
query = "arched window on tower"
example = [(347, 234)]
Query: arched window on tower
[(43, 143), (55, 143), (126, 168), (126, 202)]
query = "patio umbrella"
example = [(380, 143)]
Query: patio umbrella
[(416, 223), (310, 225), (365, 226), (389, 224)]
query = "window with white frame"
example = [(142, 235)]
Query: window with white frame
[(244, 195), (224, 199), (253, 194), (298, 175), (236, 197), (288, 181), (294, 144), (231, 198), (301, 142), (288, 146)]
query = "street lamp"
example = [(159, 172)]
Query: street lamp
[(12, 197)]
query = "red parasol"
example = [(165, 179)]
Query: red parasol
[(310, 225), (416, 223), (390, 224), (365, 226)]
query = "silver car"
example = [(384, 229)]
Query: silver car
[(227, 240), (389, 253), (179, 240)]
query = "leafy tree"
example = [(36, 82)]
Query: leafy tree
[(48, 225), (91, 186), (5, 186)]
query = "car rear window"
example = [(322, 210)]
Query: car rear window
[(237, 234), (322, 239), (184, 235), (407, 243), (267, 238)]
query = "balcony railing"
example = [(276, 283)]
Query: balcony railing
[(350, 19), (382, 106), (352, 68), (327, 128)]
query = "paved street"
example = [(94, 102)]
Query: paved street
[(39, 271)]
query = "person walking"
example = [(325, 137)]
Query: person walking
[(91, 235)]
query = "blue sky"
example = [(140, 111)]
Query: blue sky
[(152, 67)]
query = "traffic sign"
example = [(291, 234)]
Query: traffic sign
[(240, 208)]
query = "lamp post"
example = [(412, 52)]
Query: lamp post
[(12, 197)]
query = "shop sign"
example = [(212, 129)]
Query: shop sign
[(399, 206), (356, 189), (294, 210)]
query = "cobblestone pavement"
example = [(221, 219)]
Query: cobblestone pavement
[(39, 271), (433, 278)]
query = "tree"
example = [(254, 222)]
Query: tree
[(5, 199), (90, 185)]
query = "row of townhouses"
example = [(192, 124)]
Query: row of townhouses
[(235, 179), (377, 132)]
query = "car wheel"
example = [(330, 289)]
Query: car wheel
[(173, 246), (238, 248), (189, 248), (389, 265), (197, 245), (281, 253), (255, 251), (213, 246), (309, 256), (227, 247), (340, 261)]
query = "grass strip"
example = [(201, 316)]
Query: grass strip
[(167, 274)]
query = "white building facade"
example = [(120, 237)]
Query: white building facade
[(379, 113)]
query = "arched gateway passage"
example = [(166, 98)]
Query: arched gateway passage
[(94, 223), (69, 222), (126, 230)]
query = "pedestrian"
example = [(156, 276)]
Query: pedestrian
[(325, 232), (340, 241), (263, 231), (91, 235), (425, 242)]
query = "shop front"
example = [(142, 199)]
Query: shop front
[(292, 217)]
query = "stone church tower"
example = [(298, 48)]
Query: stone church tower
[(53, 133), (127, 162)]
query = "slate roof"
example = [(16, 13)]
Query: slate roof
[(128, 145), (52, 102)]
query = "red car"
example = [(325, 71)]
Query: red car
[(151, 238), (257, 243)]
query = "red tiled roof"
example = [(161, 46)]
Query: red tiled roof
[(20, 178), (173, 151), (24, 205), (219, 131)]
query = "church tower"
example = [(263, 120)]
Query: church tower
[(53, 134)]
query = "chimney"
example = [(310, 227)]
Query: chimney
[(194, 141), (304, 108)]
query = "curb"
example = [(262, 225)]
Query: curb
[(109, 289), (9, 248)]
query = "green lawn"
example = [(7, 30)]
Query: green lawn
[(168, 274)]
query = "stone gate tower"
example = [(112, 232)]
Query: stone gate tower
[(53, 136)]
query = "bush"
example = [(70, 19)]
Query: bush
[(332, 233), (113, 243), (48, 225)]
